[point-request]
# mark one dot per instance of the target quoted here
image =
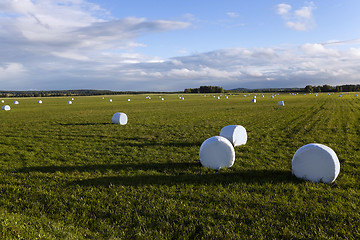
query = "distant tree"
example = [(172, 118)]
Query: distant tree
[(309, 89), (327, 88), (317, 89)]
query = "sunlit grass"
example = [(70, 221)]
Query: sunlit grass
[(68, 173)]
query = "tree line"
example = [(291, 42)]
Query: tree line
[(328, 88), (205, 89), (64, 93)]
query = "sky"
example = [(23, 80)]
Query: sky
[(144, 45)]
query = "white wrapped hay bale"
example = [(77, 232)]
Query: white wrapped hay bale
[(69, 102), (216, 153), (281, 103), (128, 100), (40, 101), (110, 100), (2, 101), (119, 118), (5, 108), (272, 96), (236, 134), (162, 99), (253, 100), (254, 96), (16, 102), (316, 162)]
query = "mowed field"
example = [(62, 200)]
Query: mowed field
[(68, 173)]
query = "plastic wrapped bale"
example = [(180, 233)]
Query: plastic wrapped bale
[(355, 95), (119, 118), (69, 102), (128, 100), (253, 100), (272, 96), (16, 102), (110, 100), (236, 134), (216, 153), (162, 99), (316, 162), (2, 101), (281, 103), (5, 108), (217, 97), (40, 101), (254, 96), (72, 99)]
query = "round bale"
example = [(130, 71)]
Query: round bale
[(216, 153), (253, 100), (119, 118), (40, 101), (236, 134), (69, 102), (5, 108), (281, 103), (316, 162), (16, 102)]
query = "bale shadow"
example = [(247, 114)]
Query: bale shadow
[(115, 167), (82, 124), (243, 176)]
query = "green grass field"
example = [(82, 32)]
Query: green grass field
[(68, 173)]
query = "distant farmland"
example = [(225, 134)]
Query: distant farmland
[(68, 173)]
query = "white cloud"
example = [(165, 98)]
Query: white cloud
[(301, 19), (283, 9), (233, 14)]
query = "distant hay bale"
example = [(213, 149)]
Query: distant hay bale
[(72, 99), (253, 100), (5, 108), (2, 101), (236, 134), (254, 96), (355, 95), (216, 153), (40, 101), (281, 103), (226, 97), (110, 100), (16, 102), (128, 99), (272, 96), (69, 102), (316, 162), (217, 97), (162, 99), (119, 118)]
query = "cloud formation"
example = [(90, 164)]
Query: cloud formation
[(301, 19), (73, 44)]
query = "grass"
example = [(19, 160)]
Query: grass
[(68, 173)]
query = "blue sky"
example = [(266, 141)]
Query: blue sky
[(172, 45)]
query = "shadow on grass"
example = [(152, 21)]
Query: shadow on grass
[(115, 167), (174, 169), (242, 176), (83, 124)]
